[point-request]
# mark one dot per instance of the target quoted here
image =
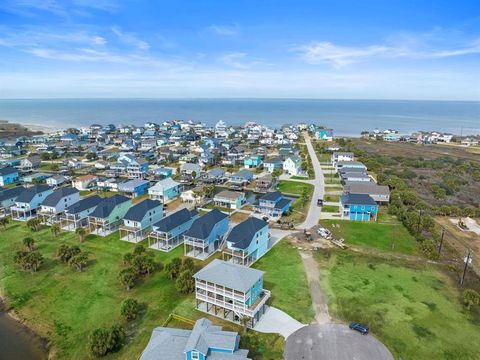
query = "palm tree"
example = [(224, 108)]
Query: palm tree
[(79, 261), (29, 243), (244, 322), (81, 233), (4, 222), (55, 229), (33, 224)]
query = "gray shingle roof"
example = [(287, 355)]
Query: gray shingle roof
[(230, 275), (203, 226), (106, 206), (242, 234), (6, 194), (369, 188), (7, 171), (170, 222), (272, 196), (138, 211), (27, 195), (357, 199), (84, 204), (57, 195)]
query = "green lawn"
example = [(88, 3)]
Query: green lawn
[(65, 306), (386, 237), (299, 177), (329, 180), (415, 311), (331, 198), (287, 282), (330, 208), (293, 187)]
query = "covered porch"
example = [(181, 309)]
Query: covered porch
[(101, 227), (163, 241), (132, 234)]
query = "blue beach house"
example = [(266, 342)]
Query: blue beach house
[(253, 161), (165, 190), (360, 207), (134, 187), (8, 176), (206, 235), (273, 205), (29, 201), (273, 164), (167, 234), (204, 342), (76, 215), (247, 242), (139, 219), (8, 198)]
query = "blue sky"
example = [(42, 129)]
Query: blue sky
[(183, 49)]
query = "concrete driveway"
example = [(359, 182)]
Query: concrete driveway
[(276, 321), (333, 342), (314, 211)]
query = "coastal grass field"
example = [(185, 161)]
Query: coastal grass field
[(298, 209), (287, 282), (294, 187), (415, 310), (385, 237), (64, 306)]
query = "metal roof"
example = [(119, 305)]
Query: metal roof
[(230, 275), (242, 234), (27, 195), (106, 206), (357, 199), (7, 171), (84, 204), (6, 194), (272, 196)]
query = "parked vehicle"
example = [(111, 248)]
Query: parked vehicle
[(325, 233), (320, 202), (361, 328)]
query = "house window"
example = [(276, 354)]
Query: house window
[(195, 355)]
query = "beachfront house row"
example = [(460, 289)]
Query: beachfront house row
[(293, 165), (247, 242), (359, 207), (85, 182), (324, 134), (133, 188), (165, 190), (379, 193), (56, 203), (206, 235), (273, 164), (342, 156), (273, 205), (204, 342), (231, 292), (167, 233), (241, 179), (8, 198), (108, 215), (232, 200), (252, 161), (28, 202), (139, 219), (76, 215), (8, 175)]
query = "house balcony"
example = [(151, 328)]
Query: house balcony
[(240, 309)]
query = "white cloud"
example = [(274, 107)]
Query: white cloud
[(340, 56), (239, 60), (130, 39), (224, 30), (64, 8)]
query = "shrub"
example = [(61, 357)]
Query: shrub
[(104, 341), (130, 309)]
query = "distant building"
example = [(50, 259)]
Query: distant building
[(233, 200), (85, 182), (8, 176), (273, 205), (324, 134), (135, 187), (165, 190), (360, 207), (293, 165)]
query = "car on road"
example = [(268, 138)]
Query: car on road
[(361, 328), (325, 233), (320, 202)]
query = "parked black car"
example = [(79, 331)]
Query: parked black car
[(361, 328), (320, 202)]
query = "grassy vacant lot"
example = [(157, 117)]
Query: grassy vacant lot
[(288, 282), (65, 306), (415, 311), (386, 237), (330, 209), (293, 187), (332, 198)]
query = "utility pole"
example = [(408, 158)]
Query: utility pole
[(441, 242), (467, 260)]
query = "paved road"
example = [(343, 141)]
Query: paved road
[(314, 211), (277, 321), (333, 341)]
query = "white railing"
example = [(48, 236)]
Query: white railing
[(221, 291), (240, 309)]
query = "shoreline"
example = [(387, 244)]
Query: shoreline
[(37, 342)]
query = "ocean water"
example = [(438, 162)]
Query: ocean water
[(346, 117)]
